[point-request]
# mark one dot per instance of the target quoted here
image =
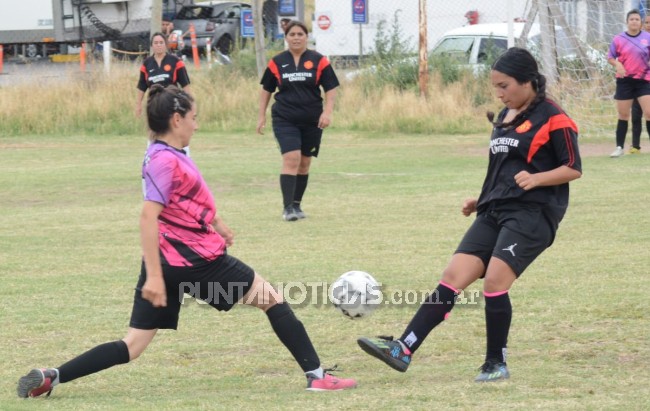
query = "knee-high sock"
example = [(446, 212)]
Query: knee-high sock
[(498, 315), (647, 128), (621, 131), (293, 335), (636, 132), (94, 360), (288, 187), (431, 313), (301, 186)]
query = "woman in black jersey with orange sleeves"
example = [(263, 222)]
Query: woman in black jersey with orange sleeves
[(533, 155), (160, 68), (298, 114)]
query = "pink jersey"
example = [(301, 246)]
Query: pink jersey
[(170, 178), (633, 52)]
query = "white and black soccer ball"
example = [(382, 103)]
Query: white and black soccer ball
[(356, 294)]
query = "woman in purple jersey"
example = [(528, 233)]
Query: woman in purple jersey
[(629, 53), (533, 156), (184, 251)]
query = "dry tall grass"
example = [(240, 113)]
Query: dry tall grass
[(227, 99)]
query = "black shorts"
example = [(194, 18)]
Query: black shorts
[(516, 234), (628, 88), (220, 283), (303, 137)]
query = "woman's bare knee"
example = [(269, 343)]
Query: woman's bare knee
[(137, 341), (463, 270), (262, 295)]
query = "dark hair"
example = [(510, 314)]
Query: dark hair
[(294, 23), (631, 12), (162, 103), (519, 64), (158, 34)]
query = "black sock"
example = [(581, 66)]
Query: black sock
[(621, 131), (288, 187), (636, 132), (293, 335), (99, 358), (431, 313), (498, 314), (647, 128), (301, 186)]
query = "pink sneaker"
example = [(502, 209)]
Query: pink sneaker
[(329, 383), (36, 382)]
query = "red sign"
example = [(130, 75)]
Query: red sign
[(324, 22)]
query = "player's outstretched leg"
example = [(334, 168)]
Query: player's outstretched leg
[(291, 332)]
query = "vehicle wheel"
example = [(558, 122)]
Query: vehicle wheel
[(225, 45), (31, 51)]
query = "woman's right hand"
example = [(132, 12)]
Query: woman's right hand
[(261, 123), (138, 110), (469, 206), (154, 291)]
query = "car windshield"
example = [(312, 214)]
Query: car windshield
[(563, 45), (458, 48), (193, 13)]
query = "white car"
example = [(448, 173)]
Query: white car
[(476, 45)]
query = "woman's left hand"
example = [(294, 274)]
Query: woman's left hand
[(324, 120), (526, 180), (223, 230)]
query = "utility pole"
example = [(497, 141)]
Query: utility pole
[(423, 72), (260, 49), (156, 19)]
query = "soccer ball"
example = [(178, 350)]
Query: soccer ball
[(356, 294)]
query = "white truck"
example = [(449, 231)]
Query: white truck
[(41, 27), (335, 34)]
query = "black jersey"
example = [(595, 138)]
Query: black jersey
[(298, 99), (547, 139), (170, 71)]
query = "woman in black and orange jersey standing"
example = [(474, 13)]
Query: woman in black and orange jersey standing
[(298, 114), (160, 68), (533, 155)]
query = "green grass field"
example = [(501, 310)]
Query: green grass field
[(389, 205)]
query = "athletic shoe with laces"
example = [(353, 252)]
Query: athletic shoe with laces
[(493, 370), (618, 152), (634, 150), (388, 350), (329, 382), (289, 214), (37, 382), (299, 213)]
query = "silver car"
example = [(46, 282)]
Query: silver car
[(219, 22)]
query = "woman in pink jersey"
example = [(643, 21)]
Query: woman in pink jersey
[(184, 252), (629, 53)]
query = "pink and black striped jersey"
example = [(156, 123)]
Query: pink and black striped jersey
[(633, 52), (186, 235)]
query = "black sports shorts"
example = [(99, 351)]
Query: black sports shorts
[(628, 88), (303, 137), (515, 233), (220, 283)]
